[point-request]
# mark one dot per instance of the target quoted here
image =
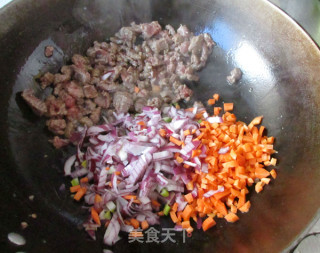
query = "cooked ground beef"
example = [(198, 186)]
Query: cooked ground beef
[(48, 51), (235, 76), (122, 75)]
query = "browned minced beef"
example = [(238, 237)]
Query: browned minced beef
[(235, 76), (48, 51), (38, 106), (122, 76)]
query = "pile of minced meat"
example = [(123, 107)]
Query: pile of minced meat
[(142, 65)]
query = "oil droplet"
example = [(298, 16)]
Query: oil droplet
[(250, 89), (16, 239)]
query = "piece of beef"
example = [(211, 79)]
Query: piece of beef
[(60, 78), (158, 46), (56, 126), (69, 130), (127, 34), (79, 60), (75, 90), (86, 121), (57, 142), (48, 51), (148, 29), (235, 76), (155, 102), (95, 115), (56, 107), (122, 101), (38, 106), (90, 91), (139, 104), (46, 80), (81, 74), (103, 100)]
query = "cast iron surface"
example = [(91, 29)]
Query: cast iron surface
[(281, 81)]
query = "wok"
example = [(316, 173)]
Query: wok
[(280, 65)]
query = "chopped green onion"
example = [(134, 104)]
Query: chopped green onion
[(111, 206), (166, 209), (200, 120), (75, 181), (164, 193), (107, 215), (84, 164), (167, 119)]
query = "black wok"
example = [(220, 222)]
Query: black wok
[(281, 67)]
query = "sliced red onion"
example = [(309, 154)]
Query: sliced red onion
[(141, 217), (223, 150), (212, 192), (199, 222), (106, 76), (215, 119), (158, 156), (68, 164), (204, 168), (190, 163), (194, 192), (111, 234)]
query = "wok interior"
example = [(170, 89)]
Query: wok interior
[(280, 67)]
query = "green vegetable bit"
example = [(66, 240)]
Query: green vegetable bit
[(164, 193), (107, 215), (167, 119), (84, 164), (75, 181), (166, 209), (200, 120)]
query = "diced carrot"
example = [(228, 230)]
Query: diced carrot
[(228, 107), (174, 207), (162, 132), (221, 195), (208, 223), (174, 217), (144, 225), (211, 101), (141, 123), (128, 197), (259, 187), (84, 180), (179, 159), (135, 223), (231, 217), (136, 89), (261, 173), (189, 197), (97, 198), (95, 216), (161, 213), (155, 203), (186, 132), (273, 174), (175, 141), (233, 209), (185, 224), (245, 208), (80, 193), (187, 212), (75, 188), (117, 173), (217, 110), (107, 168)]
